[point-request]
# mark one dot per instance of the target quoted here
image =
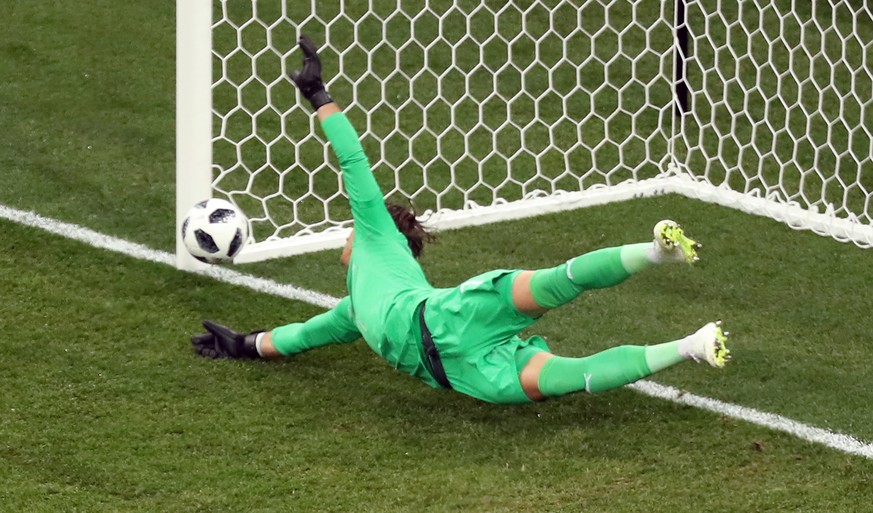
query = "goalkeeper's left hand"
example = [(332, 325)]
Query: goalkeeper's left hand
[(222, 342)]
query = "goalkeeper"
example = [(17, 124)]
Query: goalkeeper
[(463, 338)]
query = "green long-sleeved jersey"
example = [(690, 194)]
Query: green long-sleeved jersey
[(474, 325), (386, 284)]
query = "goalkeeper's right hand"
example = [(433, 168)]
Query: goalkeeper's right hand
[(222, 342), (309, 80)]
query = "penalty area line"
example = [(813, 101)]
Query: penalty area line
[(840, 442)]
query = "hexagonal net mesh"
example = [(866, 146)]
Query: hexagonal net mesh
[(471, 106), (781, 111)]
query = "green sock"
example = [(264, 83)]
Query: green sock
[(599, 269), (605, 370)]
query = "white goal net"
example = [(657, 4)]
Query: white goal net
[(486, 110)]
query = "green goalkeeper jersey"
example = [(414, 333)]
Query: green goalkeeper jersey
[(474, 325), (386, 285)]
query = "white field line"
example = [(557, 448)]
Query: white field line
[(99, 240), (840, 442)]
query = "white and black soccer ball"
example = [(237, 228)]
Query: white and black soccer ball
[(215, 231)]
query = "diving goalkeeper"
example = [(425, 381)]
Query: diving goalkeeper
[(463, 338)]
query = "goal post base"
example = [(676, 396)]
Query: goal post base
[(793, 215), (472, 216)]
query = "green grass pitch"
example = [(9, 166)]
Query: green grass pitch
[(105, 408)]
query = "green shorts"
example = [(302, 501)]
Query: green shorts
[(475, 328)]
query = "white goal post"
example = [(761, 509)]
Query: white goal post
[(484, 110)]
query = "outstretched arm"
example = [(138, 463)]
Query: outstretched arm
[(336, 326), (371, 217)]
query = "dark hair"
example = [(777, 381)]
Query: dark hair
[(409, 225)]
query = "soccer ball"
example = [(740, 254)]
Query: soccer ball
[(215, 231)]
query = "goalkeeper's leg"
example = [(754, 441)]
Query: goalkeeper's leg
[(546, 375), (535, 292)]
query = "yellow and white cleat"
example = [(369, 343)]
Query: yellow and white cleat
[(671, 238), (709, 344)]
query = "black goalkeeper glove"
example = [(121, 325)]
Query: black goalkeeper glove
[(309, 80), (222, 342)]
